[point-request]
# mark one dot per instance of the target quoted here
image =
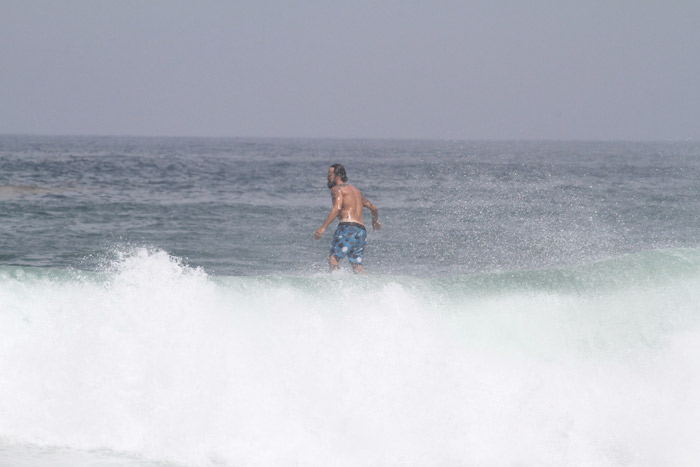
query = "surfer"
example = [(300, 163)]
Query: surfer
[(351, 236)]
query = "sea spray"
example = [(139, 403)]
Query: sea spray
[(590, 365)]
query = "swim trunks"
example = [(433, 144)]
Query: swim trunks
[(349, 240)]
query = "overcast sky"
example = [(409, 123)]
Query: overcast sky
[(491, 69)]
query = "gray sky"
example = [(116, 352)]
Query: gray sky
[(491, 69)]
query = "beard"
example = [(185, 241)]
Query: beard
[(330, 185)]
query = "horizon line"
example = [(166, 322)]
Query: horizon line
[(354, 138)]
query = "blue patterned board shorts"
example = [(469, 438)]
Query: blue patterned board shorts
[(349, 240)]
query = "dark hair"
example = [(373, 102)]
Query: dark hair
[(339, 170)]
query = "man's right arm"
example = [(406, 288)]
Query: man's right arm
[(375, 213)]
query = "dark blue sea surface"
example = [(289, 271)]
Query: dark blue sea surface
[(250, 207)]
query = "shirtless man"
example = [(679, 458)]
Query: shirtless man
[(350, 236)]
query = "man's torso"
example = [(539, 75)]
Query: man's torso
[(351, 209)]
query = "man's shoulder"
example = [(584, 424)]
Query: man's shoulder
[(344, 187)]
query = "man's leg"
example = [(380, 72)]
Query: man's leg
[(358, 251), (333, 263)]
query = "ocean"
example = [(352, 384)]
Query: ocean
[(163, 302)]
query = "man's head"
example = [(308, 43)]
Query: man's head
[(336, 173)]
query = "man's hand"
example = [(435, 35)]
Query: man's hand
[(318, 233), (376, 225)]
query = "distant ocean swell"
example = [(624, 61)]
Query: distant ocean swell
[(590, 365)]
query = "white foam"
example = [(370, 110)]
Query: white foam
[(162, 361)]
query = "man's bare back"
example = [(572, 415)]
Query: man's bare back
[(348, 202)]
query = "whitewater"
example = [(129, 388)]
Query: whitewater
[(155, 360)]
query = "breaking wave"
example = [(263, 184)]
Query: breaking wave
[(589, 365)]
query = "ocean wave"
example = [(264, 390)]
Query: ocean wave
[(591, 364)]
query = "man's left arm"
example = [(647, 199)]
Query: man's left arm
[(335, 211)]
